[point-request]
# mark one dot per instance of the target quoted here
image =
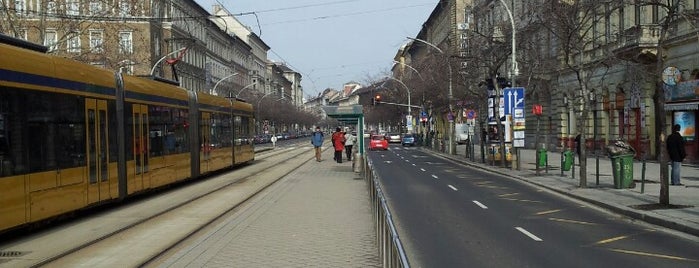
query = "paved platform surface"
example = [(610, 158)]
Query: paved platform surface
[(317, 216), (638, 202)]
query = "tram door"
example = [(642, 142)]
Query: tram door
[(97, 134), (205, 134), (140, 146)]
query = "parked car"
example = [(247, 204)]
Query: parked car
[(408, 139), (394, 138), (378, 142)]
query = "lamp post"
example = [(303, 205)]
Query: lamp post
[(411, 68), (152, 70), (452, 149), (409, 106), (245, 87), (514, 71), (221, 80)]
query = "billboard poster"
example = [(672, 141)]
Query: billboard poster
[(687, 122)]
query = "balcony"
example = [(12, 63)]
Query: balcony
[(639, 44)]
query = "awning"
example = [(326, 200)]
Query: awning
[(682, 106)]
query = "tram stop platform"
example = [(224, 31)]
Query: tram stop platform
[(317, 216)]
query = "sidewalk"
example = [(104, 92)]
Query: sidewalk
[(632, 202), (317, 216)]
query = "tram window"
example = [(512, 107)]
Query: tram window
[(220, 130), (128, 129), (159, 119), (180, 133), (242, 130), (112, 115)]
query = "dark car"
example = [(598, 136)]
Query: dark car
[(408, 139)]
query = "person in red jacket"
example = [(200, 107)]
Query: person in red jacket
[(338, 140)]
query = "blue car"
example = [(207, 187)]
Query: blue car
[(408, 139)]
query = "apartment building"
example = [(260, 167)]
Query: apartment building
[(148, 38), (605, 84)]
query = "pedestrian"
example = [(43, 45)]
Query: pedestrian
[(338, 141), (317, 141), (675, 149), (350, 139)]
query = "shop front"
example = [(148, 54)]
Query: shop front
[(682, 103)]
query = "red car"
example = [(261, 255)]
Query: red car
[(378, 142)]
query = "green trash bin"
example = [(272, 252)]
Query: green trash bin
[(622, 166), (567, 160), (542, 157)]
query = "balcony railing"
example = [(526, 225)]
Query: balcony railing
[(639, 43)]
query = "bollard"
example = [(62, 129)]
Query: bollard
[(356, 163)]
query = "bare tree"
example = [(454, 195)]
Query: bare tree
[(572, 24)]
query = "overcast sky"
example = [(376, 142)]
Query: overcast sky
[(332, 42)]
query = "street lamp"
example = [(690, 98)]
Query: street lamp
[(245, 87), (452, 146), (411, 68), (221, 80), (514, 71), (152, 70), (406, 89)]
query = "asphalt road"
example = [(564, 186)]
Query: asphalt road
[(450, 215)]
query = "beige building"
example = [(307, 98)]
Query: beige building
[(148, 38), (619, 57)]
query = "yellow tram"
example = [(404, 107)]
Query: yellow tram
[(73, 135)]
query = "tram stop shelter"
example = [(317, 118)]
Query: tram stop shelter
[(350, 115)]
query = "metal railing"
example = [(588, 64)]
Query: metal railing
[(391, 249)]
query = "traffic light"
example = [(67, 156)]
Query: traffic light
[(377, 99)]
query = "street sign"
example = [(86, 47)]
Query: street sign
[(514, 98)]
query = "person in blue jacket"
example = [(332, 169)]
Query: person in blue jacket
[(317, 141)]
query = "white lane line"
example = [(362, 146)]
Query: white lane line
[(407, 160), (423, 169), (452, 187), (480, 204), (530, 235), (414, 165), (435, 176)]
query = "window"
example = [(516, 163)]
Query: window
[(124, 8), (51, 40), (51, 7), (125, 43), (21, 34), (73, 7), (95, 7), (96, 39), (74, 42), (20, 7)]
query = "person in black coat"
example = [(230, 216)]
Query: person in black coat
[(675, 149)]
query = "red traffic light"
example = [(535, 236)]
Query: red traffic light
[(537, 109), (377, 99)]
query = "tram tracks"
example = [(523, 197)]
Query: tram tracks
[(132, 235)]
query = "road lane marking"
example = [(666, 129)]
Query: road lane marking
[(547, 212), (414, 164), (527, 233), (452, 187), (435, 176), (523, 200), (479, 204), (632, 252), (504, 195), (613, 239), (572, 221), (423, 169), (407, 160)]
